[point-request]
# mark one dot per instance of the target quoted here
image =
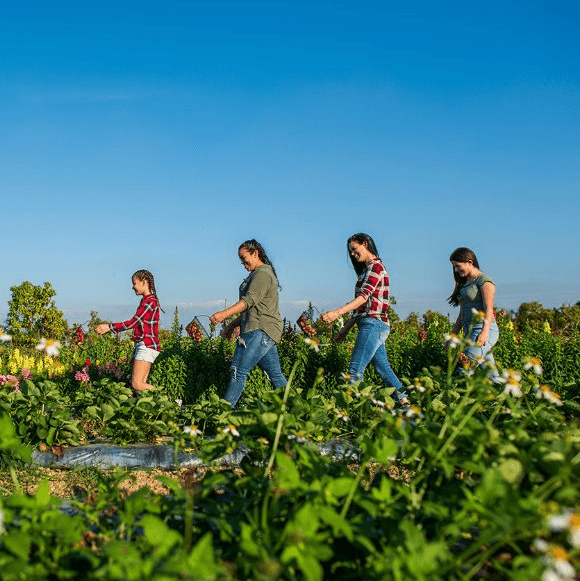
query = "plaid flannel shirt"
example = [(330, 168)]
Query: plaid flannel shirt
[(373, 284), (145, 323)]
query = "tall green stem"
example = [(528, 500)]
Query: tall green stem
[(280, 421)]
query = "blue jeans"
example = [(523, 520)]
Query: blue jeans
[(255, 348), (476, 353), (369, 347)]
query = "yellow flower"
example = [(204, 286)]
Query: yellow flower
[(547, 328)]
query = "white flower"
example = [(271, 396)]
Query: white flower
[(192, 430), (545, 392), (298, 437), (513, 389), (510, 377), (342, 416), (567, 521), (49, 346), (179, 402), (452, 340), (418, 387), (541, 545), (345, 376), (232, 430), (263, 441), (313, 343), (378, 402), (534, 364), (411, 411), (4, 337)]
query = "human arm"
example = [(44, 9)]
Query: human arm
[(487, 294), (144, 314), (236, 309), (331, 316), (102, 329)]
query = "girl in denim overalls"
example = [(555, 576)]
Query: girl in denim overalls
[(474, 292)]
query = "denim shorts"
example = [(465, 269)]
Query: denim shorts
[(143, 353)]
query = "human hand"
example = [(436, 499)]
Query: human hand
[(217, 318), (330, 316), (481, 339), (102, 329)]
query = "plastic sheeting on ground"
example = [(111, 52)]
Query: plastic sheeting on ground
[(163, 456)]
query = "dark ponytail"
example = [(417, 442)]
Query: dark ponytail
[(251, 246)]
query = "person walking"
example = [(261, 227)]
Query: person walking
[(145, 326), (258, 316), (474, 292), (370, 306)]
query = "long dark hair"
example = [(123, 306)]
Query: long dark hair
[(251, 246), (145, 275), (461, 254), (368, 243)]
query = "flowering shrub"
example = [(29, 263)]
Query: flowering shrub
[(195, 331)]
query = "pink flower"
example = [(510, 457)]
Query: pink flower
[(10, 381), (88, 362), (82, 376), (78, 335), (26, 373)]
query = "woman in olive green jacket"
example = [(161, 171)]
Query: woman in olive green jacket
[(259, 321)]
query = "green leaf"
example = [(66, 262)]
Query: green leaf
[(18, 543), (269, 417), (43, 493), (201, 560), (511, 470)]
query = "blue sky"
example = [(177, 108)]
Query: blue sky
[(160, 136)]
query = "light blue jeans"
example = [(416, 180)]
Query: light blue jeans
[(476, 353), (369, 347), (254, 348)]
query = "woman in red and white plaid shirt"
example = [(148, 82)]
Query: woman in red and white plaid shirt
[(145, 326), (371, 305)]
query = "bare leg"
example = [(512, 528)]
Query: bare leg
[(140, 373)]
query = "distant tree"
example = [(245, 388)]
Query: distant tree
[(32, 314), (531, 316), (566, 320), (95, 321)]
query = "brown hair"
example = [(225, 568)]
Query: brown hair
[(145, 275), (461, 254)]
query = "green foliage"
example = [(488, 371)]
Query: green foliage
[(32, 314), (459, 486)]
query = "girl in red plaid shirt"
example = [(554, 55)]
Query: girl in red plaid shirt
[(371, 306), (145, 326)]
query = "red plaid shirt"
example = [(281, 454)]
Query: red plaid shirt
[(145, 323), (373, 284)]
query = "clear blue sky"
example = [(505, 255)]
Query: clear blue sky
[(161, 135)]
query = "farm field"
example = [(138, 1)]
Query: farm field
[(474, 481)]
